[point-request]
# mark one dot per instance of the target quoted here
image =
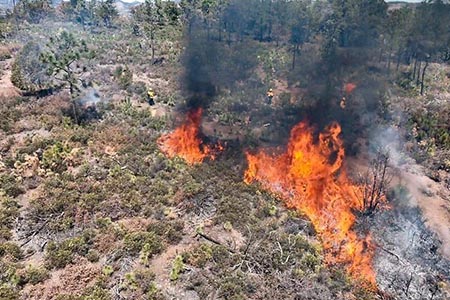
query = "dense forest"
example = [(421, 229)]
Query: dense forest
[(224, 149)]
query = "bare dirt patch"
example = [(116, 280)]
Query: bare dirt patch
[(434, 201), (7, 89), (72, 280)]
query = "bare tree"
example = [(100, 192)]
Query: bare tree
[(375, 182)]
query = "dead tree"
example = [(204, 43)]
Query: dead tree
[(375, 183)]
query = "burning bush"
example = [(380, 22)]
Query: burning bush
[(185, 141), (310, 177)]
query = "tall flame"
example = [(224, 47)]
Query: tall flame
[(310, 177), (185, 141)]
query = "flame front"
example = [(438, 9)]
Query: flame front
[(310, 177), (185, 140)]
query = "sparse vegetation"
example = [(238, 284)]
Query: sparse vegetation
[(85, 186)]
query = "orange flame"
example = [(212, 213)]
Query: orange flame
[(349, 87), (185, 141), (310, 177)]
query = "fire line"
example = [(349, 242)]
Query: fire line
[(310, 177)]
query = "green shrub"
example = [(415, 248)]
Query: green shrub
[(107, 270), (33, 11), (310, 262), (61, 254), (123, 76), (199, 256), (433, 125), (177, 268), (130, 281), (5, 29), (233, 287), (9, 184), (4, 54), (8, 293), (54, 156), (103, 223), (134, 242), (138, 88), (9, 211), (97, 293), (11, 249), (230, 209), (144, 279), (92, 255), (8, 116), (34, 275), (172, 231)]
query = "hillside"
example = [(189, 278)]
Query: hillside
[(225, 150)]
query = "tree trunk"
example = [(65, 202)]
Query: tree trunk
[(418, 73), (399, 56), (270, 31), (189, 26), (75, 114), (423, 77), (261, 33), (381, 55), (414, 70), (152, 44), (389, 60), (294, 56), (220, 31)]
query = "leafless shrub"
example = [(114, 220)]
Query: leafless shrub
[(375, 182)]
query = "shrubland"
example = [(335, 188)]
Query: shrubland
[(85, 187)]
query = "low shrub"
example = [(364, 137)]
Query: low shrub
[(12, 250), (58, 255), (134, 242), (33, 275)]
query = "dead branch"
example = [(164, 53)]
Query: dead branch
[(391, 253), (33, 234), (214, 241), (375, 183)]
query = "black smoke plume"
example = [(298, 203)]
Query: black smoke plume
[(212, 64)]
